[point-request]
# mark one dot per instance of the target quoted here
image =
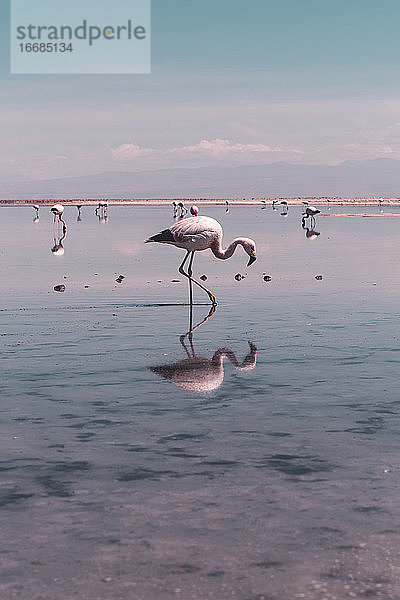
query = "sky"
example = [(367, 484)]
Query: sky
[(232, 83)]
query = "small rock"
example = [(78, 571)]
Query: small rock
[(86, 286), (318, 277), (120, 278), (239, 277), (175, 281), (203, 277), (267, 278), (59, 288)]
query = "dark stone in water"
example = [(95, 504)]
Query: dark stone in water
[(267, 278), (203, 277), (239, 277), (318, 277), (59, 288), (120, 278)]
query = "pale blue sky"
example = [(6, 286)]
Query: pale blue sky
[(232, 82)]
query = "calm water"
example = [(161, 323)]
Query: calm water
[(134, 467)]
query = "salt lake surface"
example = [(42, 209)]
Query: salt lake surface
[(126, 473)]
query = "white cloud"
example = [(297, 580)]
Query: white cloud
[(223, 148), (203, 153), (129, 151)]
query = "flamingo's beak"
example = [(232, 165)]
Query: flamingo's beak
[(253, 257)]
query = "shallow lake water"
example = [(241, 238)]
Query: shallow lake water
[(261, 464)]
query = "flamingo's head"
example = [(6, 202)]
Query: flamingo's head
[(250, 248)]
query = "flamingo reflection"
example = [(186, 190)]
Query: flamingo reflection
[(310, 232), (101, 211), (59, 235), (197, 373)]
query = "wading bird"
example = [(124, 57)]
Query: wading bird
[(36, 209), (182, 208), (194, 210), (200, 233)]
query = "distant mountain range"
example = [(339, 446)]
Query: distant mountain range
[(379, 177)]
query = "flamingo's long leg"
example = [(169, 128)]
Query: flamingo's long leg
[(190, 273), (208, 292)]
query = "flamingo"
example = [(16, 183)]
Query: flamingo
[(36, 209), (311, 211), (200, 233), (182, 209), (194, 210), (79, 207)]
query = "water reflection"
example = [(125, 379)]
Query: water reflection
[(101, 211), (285, 210), (310, 232), (197, 373), (59, 235)]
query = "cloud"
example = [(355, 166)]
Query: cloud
[(129, 151), (203, 153), (222, 149)]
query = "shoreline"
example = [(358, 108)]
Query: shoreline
[(372, 201)]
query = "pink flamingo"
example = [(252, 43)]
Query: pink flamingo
[(200, 233)]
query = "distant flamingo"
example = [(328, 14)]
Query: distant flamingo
[(36, 209), (200, 233), (194, 210), (182, 209)]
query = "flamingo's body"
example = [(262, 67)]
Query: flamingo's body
[(182, 208), (201, 233), (57, 211), (311, 211)]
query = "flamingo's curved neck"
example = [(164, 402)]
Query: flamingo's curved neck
[(219, 252)]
